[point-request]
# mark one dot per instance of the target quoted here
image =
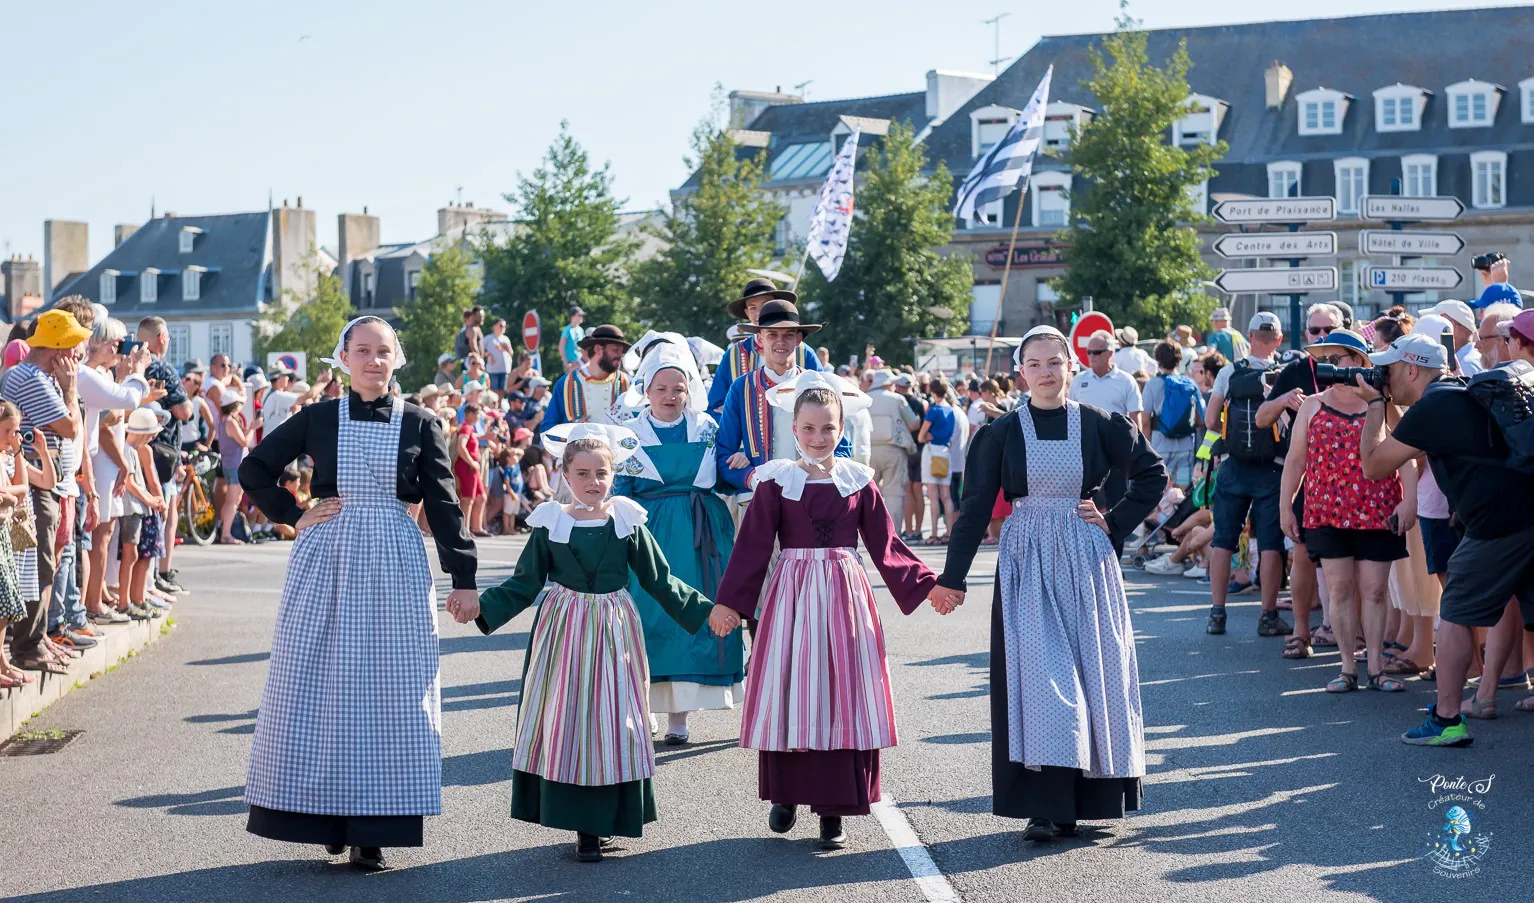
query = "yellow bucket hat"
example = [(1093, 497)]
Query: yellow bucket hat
[(58, 329)]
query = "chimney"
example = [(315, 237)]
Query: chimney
[(121, 231), (453, 218), (948, 91), (358, 236), (1277, 80), (292, 243), (66, 251), (23, 282)]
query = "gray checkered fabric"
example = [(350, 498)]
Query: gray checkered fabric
[(351, 723), (26, 562)]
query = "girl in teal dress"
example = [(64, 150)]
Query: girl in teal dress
[(672, 476)]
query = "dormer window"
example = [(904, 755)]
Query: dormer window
[(1051, 204), (191, 283), (189, 238), (1526, 100), (1472, 104), (989, 125), (109, 286), (149, 286), (1321, 111), (1200, 123), (1398, 108), (1060, 119)]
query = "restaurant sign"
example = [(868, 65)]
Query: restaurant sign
[(1035, 254)]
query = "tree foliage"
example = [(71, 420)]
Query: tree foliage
[(893, 278), (1132, 245), (566, 249), (308, 324), (712, 236), (429, 324)]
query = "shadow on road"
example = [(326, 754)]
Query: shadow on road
[(245, 659), (496, 642), (223, 801)]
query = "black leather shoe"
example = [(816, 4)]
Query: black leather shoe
[(369, 859), (588, 848), (781, 819), (1039, 830), (832, 837), (1067, 829), (335, 849)]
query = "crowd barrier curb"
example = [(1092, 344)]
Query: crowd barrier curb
[(119, 643)]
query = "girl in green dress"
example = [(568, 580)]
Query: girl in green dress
[(582, 759)]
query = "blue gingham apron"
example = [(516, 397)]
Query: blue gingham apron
[(1073, 683), (350, 723)]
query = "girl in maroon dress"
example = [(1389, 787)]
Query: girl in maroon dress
[(818, 704)]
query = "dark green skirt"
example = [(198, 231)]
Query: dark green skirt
[(613, 810)]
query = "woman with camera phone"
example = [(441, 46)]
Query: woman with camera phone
[(1353, 526)]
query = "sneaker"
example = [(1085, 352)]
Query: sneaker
[(1516, 682), (135, 613), (109, 616), (1163, 567), (167, 584), (70, 639), (1216, 625), (1432, 733), (1196, 573), (1270, 624), (155, 603)]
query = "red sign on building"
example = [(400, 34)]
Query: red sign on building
[(1033, 254)]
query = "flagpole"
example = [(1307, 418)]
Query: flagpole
[(803, 259), (1017, 220)]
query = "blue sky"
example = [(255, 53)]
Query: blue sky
[(206, 107)]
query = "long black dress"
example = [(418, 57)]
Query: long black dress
[(997, 461)]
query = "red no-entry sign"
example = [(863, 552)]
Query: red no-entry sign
[(532, 330), (1081, 333)]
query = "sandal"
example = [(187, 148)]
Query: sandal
[(936, 541), (23, 678), (1342, 683), (43, 663), (1475, 708), (1323, 636), (1402, 665), (1385, 683), (988, 541), (1526, 704), (1297, 647)]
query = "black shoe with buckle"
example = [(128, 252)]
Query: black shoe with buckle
[(1216, 625), (588, 847), (781, 819), (1039, 830), (369, 859), (832, 837)]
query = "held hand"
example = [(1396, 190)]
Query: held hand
[(155, 394), (1088, 512), (64, 369), (738, 461), (722, 620), (944, 600), (39, 442), (463, 605), (323, 510)]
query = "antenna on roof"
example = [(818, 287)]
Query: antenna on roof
[(459, 202), (799, 88), (151, 206), (995, 23)]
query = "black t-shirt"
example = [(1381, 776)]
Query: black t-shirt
[(919, 406), (1460, 438), (1300, 374)]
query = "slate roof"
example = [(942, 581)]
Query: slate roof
[(232, 247)]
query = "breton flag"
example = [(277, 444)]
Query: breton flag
[(832, 223), (1007, 165)]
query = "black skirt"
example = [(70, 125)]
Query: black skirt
[(337, 830), (1061, 795)]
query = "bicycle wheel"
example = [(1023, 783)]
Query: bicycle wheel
[(198, 518)]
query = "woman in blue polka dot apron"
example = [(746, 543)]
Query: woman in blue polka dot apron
[(1066, 729)]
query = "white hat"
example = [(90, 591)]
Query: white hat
[(335, 356), (1414, 348), (668, 356), (647, 343), (1017, 353), (143, 422), (707, 353), (537, 381), (622, 440), (880, 378), (1431, 325), (1265, 319), (785, 395), (1455, 312)]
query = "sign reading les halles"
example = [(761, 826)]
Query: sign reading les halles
[(1023, 256)]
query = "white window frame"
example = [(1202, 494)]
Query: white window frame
[(188, 241), (1200, 195), (1391, 99), (412, 284), (1202, 120), (1526, 100), (991, 115), (1059, 117), (179, 349), (1053, 185), (1285, 168), (191, 284), (1430, 163), (1480, 198), (1469, 91), (1319, 97), (108, 289), (221, 340), (148, 285), (1350, 164), (984, 306)]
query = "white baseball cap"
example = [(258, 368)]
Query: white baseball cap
[(1454, 311), (1265, 319), (1414, 348)]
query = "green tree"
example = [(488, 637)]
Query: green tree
[(1132, 247), (711, 237), (566, 249), (429, 324), (894, 285), (308, 324)]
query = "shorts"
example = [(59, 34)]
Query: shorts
[(130, 530), (1483, 574), (231, 474), (498, 382), (928, 454), (913, 465), (151, 544), (470, 486), (1179, 466), (1243, 489), (1440, 537), (1362, 545)]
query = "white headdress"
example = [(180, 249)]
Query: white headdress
[(1017, 355), (620, 439), (663, 357), (785, 395), (335, 356), (648, 343), (707, 353)]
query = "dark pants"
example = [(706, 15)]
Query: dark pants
[(31, 629)]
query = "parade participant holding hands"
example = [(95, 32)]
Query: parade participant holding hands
[(348, 745), (672, 475), (1067, 731), (818, 702), (745, 353), (582, 760)]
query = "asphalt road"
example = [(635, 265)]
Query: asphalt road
[(1261, 786)]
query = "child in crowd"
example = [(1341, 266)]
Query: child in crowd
[(506, 486), (15, 510), (582, 758), (535, 477), (234, 438), (139, 527)]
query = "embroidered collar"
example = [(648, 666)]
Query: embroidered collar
[(847, 475), (625, 513), (700, 428)]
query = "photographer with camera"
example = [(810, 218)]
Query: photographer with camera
[(1491, 267), (1353, 525), (1463, 443)]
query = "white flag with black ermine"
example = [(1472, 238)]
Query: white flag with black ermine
[(832, 224), (1009, 163)]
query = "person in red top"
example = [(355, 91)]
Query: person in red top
[(471, 484), (1355, 527)]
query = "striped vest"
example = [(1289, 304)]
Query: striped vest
[(744, 357), (575, 394)]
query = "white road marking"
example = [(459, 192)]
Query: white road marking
[(933, 886)]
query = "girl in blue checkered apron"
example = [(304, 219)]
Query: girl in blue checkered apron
[(348, 748)]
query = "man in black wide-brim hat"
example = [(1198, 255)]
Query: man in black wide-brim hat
[(591, 392), (744, 354)]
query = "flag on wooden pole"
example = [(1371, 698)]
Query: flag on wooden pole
[(1009, 163), (832, 224)]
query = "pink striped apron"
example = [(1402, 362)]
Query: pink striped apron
[(819, 679), (585, 717)]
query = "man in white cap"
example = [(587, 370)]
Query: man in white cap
[(893, 440), (1223, 339), (445, 364), (1462, 323)]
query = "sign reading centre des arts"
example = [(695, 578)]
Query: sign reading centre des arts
[(1033, 254)]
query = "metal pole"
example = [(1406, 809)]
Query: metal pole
[(1296, 313), (1001, 300)]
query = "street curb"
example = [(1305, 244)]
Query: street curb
[(120, 642)]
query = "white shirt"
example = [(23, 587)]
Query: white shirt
[(1115, 392), (276, 408), (100, 392), (859, 431), (1469, 360), (1131, 359), (497, 353)]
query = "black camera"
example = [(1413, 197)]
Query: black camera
[(1487, 260), (1332, 375), (27, 436)]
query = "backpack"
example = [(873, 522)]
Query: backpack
[(1182, 407), (1244, 439), (1506, 392)]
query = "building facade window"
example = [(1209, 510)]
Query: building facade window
[(1199, 194), (1398, 108), (1349, 272), (1352, 183), (1321, 111), (1488, 185), (109, 287), (984, 308), (188, 241), (1419, 175), (1472, 104), (1051, 203), (180, 347), (412, 284), (149, 286), (1526, 99), (191, 284), (367, 289), (1284, 179), (1060, 118), (1200, 122), (989, 125), (221, 339), (782, 236)]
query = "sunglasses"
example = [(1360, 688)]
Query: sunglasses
[(1333, 359), (1321, 330), (1091, 353)]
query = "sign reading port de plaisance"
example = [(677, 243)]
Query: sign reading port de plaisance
[(1414, 279), (1276, 244), (1410, 244), (1409, 210), (1278, 280), (1276, 210)]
